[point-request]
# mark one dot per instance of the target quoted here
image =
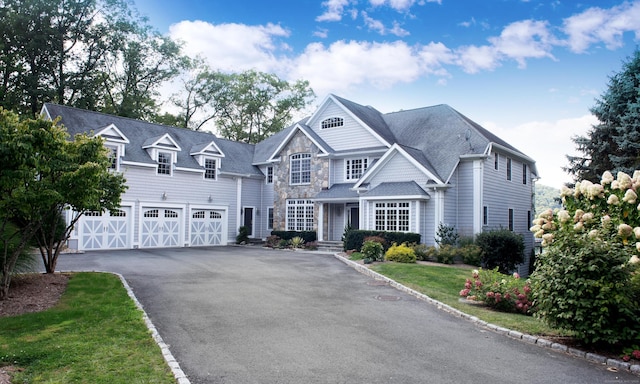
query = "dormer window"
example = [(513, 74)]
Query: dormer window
[(164, 163), (210, 169), (113, 157), (332, 122)]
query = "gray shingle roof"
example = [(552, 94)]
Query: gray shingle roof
[(141, 133), (370, 116), (404, 188), (337, 192), (442, 134)]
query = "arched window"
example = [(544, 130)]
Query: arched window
[(332, 122)]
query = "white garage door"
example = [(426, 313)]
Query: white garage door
[(160, 228), (104, 230), (206, 227)]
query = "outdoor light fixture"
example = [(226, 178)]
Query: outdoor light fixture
[(164, 195)]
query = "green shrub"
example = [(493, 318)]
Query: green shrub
[(273, 241), (421, 251), (372, 250), (506, 293), (586, 285), (446, 254), (297, 242), (354, 239), (501, 248), (401, 254), (243, 235), (283, 243), (446, 235), (307, 236), (471, 254)]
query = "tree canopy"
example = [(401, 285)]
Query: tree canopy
[(248, 106), (614, 143), (43, 174), (91, 54)]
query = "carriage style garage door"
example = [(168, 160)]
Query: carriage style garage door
[(160, 227), (104, 230), (206, 227)]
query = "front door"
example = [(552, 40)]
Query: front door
[(354, 217), (248, 220)]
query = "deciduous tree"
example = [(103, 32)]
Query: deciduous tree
[(42, 173), (248, 106)]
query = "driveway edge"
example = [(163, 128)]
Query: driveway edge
[(530, 339), (178, 373)]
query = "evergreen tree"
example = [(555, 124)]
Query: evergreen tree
[(614, 143)]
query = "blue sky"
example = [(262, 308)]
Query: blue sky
[(528, 70)]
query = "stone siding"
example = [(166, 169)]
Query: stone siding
[(283, 191)]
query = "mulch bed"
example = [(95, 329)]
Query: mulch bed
[(33, 292)]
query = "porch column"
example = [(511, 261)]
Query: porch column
[(320, 222)]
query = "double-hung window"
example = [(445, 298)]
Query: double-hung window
[(269, 175), (392, 216), (355, 168), (299, 215), (210, 168), (113, 157), (164, 163), (509, 168), (300, 168)]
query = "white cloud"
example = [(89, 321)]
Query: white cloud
[(518, 41), (322, 33), (356, 63), (334, 11), (232, 47), (474, 59), (548, 143), (596, 25), (524, 39), (379, 27)]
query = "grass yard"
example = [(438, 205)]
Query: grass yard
[(443, 283), (95, 334)]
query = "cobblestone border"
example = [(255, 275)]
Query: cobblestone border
[(178, 373), (535, 340)]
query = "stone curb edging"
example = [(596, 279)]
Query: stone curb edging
[(541, 342), (180, 376)]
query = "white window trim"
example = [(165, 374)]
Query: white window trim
[(215, 168), (387, 208), (172, 157), (348, 168), (299, 157), (269, 175), (270, 209), (332, 122), (297, 222)]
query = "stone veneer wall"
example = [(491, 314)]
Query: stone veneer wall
[(283, 191)]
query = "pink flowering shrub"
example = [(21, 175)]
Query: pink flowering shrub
[(587, 280), (506, 293)]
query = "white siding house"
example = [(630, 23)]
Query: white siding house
[(346, 164)]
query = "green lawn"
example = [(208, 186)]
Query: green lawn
[(443, 283), (95, 334)]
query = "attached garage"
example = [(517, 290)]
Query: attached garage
[(105, 230), (161, 227), (207, 227)]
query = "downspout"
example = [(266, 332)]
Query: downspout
[(239, 204)]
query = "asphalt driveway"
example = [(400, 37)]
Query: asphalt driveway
[(253, 315)]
